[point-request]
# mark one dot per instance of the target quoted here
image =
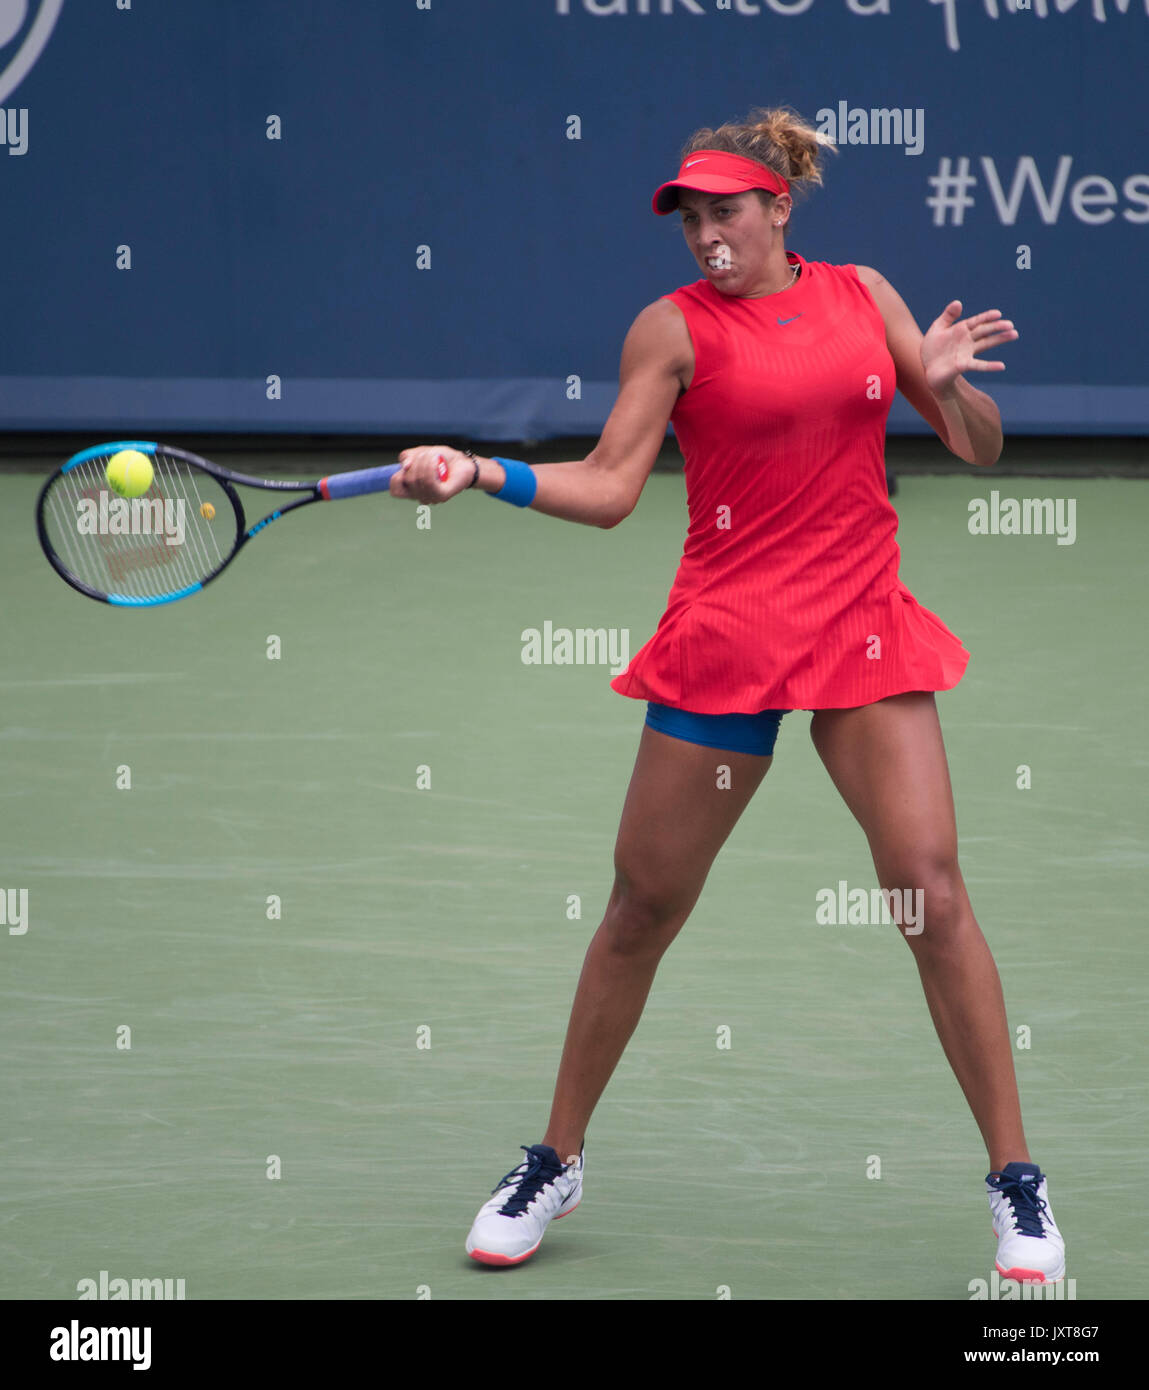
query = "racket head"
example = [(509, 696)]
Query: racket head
[(139, 552)]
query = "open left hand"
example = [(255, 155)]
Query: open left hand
[(951, 342)]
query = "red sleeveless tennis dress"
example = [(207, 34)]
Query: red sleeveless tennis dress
[(787, 595)]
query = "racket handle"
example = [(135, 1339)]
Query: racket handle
[(357, 483)]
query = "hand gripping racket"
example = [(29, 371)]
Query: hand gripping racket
[(178, 536)]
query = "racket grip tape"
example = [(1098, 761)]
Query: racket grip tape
[(358, 483)]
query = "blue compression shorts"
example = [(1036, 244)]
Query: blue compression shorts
[(736, 733)]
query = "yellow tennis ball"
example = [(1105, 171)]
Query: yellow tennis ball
[(207, 511), (129, 473)]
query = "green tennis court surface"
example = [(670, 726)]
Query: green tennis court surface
[(407, 908)]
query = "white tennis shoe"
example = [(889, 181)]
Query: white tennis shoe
[(509, 1227), (1030, 1248)]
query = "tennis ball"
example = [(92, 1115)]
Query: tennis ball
[(207, 511), (129, 473)]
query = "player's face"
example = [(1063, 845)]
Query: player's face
[(730, 236)]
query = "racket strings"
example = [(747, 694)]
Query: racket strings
[(174, 536)]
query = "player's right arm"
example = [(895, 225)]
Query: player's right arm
[(603, 488)]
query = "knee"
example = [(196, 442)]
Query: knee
[(643, 916), (928, 900)]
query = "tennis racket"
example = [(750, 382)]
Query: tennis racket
[(178, 536)]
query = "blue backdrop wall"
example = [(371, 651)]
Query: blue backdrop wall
[(413, 216)]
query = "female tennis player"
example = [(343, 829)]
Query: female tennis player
[(778, 374)]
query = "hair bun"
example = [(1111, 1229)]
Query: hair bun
[(778, 139)]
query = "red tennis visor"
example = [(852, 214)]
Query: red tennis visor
[(715, 171)]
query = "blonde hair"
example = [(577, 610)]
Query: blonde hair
[(777, 138)]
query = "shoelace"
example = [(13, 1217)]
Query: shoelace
[(1024, 1202), (536, 1175)]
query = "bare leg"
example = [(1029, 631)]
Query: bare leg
[(889, 763), (675, 820)]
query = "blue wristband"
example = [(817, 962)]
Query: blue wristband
[(520, 486)]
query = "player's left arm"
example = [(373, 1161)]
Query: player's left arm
[(930, 368)]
